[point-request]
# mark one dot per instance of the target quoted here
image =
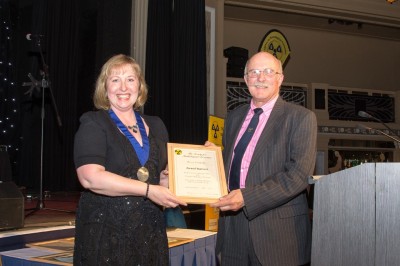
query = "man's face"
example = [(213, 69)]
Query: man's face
[(263, 78)]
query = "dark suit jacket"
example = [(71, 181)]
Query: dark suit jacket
[(275, 201)]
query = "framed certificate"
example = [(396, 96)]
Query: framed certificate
[(196, 173)]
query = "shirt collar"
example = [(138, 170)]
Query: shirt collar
[(266, 107)]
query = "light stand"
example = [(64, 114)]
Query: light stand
[(44, 84)]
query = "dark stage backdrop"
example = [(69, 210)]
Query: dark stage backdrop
[(176, 68), (78, 37)]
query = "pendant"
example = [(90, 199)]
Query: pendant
[(143, 174), (134, 128)]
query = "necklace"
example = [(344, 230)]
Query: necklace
[(143, 150), (134, 128)]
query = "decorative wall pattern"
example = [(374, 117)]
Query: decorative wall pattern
[(343, 106), (238, 94), (354, 130), (337, 131)]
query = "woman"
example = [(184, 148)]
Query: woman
[(119, 218)]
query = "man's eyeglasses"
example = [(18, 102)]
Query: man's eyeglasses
[(255, 73)]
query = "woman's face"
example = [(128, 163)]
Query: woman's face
[(122, 87)]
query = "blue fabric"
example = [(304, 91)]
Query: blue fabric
[(141, 151), (174, 218)]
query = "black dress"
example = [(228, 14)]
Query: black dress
[(116, 230)]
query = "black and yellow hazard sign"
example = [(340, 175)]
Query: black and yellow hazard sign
[(274, 42)]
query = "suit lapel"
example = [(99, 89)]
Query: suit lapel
[(269, 130), (237, 121)]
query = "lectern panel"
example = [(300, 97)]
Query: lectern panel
[(387, 214), (344, 218), (356, 217)]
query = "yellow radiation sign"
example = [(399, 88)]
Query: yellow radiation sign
[(215, 130), (275, 43)]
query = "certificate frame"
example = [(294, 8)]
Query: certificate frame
[(190, 184), (58, 245)]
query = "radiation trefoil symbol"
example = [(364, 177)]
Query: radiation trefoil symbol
[(276, 44)]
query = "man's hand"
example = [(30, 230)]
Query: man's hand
[(231, 202), (209, 144)]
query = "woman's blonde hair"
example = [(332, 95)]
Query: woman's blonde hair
[(100, 98)]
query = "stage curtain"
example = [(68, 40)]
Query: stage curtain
[(79, 36), (57, 21), (176, 68)]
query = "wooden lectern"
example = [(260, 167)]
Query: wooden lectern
[(357, 217)]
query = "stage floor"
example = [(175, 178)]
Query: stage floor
[(56, 220), (57, 217), (57, 208)]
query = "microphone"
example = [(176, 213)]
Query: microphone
[(361, 126), (31, 36), (366, 115)]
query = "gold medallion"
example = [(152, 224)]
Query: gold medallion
[(143, 174)]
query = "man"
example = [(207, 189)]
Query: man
[(264, 221)]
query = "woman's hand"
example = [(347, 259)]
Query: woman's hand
[(164, 178), (164, 197)]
